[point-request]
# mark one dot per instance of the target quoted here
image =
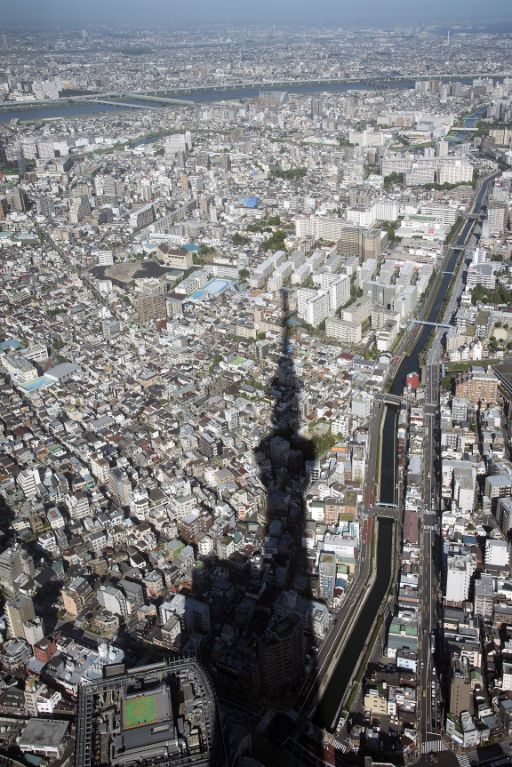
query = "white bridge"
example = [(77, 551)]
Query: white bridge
[(432, 324)]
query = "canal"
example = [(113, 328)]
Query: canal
[(329, 704), (469, 122), (411, 364), (327, 709)]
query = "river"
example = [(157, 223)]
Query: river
[(77, 109), (25, 112)]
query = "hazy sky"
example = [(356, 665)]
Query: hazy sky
[(169, 12)]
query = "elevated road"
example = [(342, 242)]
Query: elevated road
[(287, 83)]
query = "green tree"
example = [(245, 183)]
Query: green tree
[(240, 239), (275, 241), (215, 361), (393, 178), (390, 228), (323, 442), (292, 174), (500, 295), (205, 250)]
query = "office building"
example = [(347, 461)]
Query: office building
[(44, 737), (156, 714), (496, 553), (281, 656), (76, 595), (18, 611), (16, 567), (327, 575), (483, 601)]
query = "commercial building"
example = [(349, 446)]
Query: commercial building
[(44, 737), (158, 714)]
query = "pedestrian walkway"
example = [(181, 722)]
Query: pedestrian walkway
[(339, 745), (434, 745), (463, 760)]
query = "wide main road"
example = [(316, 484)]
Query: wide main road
[(428, 699)]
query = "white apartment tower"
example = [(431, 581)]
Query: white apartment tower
[(460, 568)]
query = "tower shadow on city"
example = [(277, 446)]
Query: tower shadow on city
[(286, 460), (268, 674)]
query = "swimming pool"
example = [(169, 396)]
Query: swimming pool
[(212, 288), (216, 286)]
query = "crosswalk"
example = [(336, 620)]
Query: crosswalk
[(463, 760), (431, 746)]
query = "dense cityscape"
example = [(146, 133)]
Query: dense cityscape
[(256, 396)]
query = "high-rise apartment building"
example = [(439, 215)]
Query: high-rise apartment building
[(478, 385), (460, 568)]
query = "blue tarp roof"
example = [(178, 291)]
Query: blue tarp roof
[(249, 202)]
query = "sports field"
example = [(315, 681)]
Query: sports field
[(139, 711)]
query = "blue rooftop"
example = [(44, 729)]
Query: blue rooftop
[(10, 344), (38, 383), (249, 202)]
